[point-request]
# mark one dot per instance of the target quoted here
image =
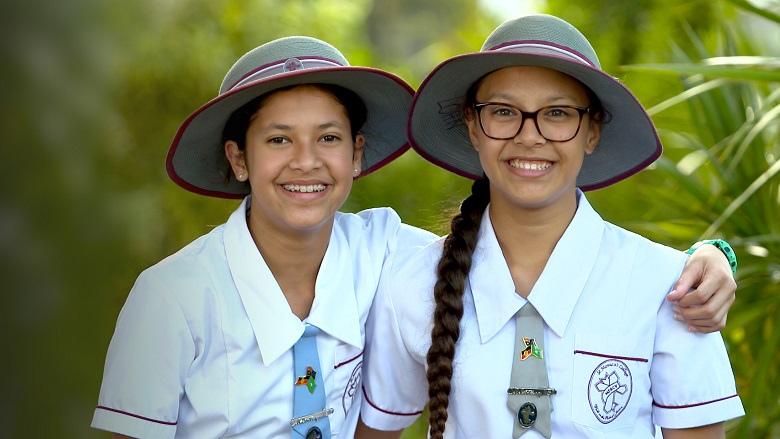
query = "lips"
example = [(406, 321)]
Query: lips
[(530, 165), (304, 188)]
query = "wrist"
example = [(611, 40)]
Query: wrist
[(721, 245)]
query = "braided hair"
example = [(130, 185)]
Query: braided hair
[(452, 272)]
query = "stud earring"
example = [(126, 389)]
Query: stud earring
[(240, 176), (357, 171)]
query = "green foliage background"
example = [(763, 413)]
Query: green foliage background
[(93, 91)]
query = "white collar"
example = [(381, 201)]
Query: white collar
[(557, 290), (276, 328)]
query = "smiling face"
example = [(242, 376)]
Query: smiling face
[(529, 171), (300, 160)]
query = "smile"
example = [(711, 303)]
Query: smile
[(531, 166), (304, 188)]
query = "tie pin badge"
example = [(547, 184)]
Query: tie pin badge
[(308, 379), (527, 415), (531, 349)]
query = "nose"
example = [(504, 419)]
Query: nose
[(305, 156), (528, 134)]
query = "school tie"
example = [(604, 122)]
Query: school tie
[(529, 393), (310, 417)]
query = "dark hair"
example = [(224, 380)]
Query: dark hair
[(237, 125), (452, 272)]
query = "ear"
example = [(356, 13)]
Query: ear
[(594, 135), (472, 123), (237, 160), (357, 152)]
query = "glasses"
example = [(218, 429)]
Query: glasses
[(557, 123)]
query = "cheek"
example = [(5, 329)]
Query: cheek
[(339, 162), (265, 163)]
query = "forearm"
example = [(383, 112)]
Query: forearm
[(713, 431)]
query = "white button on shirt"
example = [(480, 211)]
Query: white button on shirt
[(609, 334), (202, 347)]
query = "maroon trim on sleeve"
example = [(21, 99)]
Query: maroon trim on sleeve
[(365, 395), (136, 416), (693, 405), (594, 354)]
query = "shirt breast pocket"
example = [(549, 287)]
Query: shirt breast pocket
[(611, 382), (347, 382)]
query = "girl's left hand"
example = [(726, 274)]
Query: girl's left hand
[(708, 274)]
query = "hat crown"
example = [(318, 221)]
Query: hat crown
[(542, 29), (272, 58)]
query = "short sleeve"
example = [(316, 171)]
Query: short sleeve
[(147, 360), (693, 383), (394, 378)]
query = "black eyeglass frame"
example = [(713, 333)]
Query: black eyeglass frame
[(525, 115)]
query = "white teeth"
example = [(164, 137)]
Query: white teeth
[(531, 166), (304, 188)]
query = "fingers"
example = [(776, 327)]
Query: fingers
[(705, 308), (702, 320), (692, 275), (706, 311), (680, 289)]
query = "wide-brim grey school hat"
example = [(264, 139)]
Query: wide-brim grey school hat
[(196, 159), (436, 129)]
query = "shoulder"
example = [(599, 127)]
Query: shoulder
[(381, 225), (652, 267), (197, 264), (414, 268), (375, 217), (644, 248)]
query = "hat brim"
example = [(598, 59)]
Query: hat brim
[(196, 159), (437, 131)]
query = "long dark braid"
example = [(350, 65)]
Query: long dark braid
[(452, 272)]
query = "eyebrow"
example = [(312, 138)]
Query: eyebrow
[(322, 126), (512, 99)]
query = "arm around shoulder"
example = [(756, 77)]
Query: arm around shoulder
[(706, 289)]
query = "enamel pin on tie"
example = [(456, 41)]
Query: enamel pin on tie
[(310, 414), (529, 394), (308, 379), (531, 348)]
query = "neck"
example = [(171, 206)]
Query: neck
[(294, 260), (528, 237)]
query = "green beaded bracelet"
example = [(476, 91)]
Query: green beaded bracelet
[(722, 246)]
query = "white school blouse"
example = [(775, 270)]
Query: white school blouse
[(602, 296), (202, 346)]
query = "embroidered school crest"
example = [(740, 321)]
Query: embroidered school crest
[(609, 390), (353, 387)]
